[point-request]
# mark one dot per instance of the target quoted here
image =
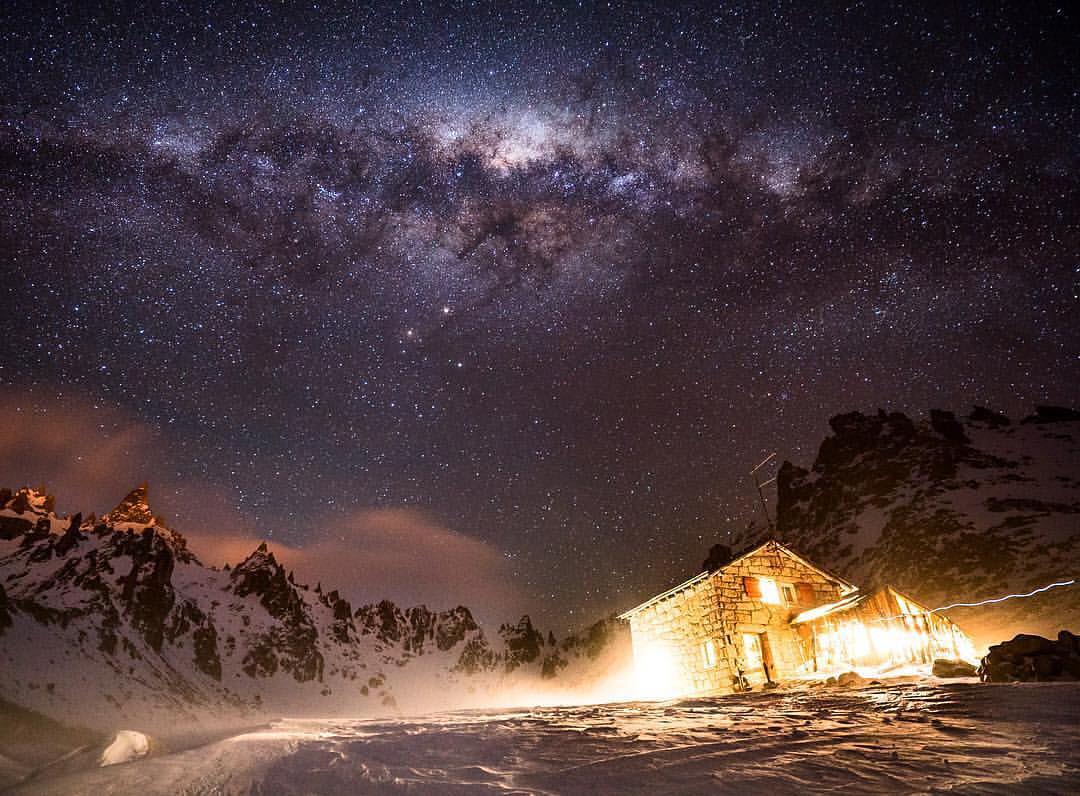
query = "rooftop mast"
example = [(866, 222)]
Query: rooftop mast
[(760, 484)]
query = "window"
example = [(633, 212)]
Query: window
[(770, 592), (789, 593), (764, 589), (708, 654)]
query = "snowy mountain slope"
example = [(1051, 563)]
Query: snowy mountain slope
[(116, 623), (950, 510)]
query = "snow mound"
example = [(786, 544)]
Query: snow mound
[(128, 745)]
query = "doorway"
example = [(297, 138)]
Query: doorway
[(758, 659)]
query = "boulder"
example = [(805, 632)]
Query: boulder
[(1030, 658), (947, 668), (850, 680)]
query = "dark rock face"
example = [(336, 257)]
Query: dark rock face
[(342, 630), (980, 414), (147, 589), (293, 644), (26, 500), (207, 659), (260, 574), (1033, 658), (523, 643), (384, 620), (945, 508), (417, 628), (1053, 414), (14, 527), (33, 508), (592, 642), (719, 555), (71, 538), (597, 637), (476, 656), (453, 626), (946, 424), (133, 508)]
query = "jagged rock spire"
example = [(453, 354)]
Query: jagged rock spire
[(133, 508), (35, 501)]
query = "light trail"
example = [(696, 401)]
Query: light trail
[(992, 600), (989, 601)]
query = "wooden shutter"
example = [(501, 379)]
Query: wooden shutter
[(806, 593), (753, 588)]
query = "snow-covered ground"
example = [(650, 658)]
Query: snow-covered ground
[(912, 737)]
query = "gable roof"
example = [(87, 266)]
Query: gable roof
[(771, 545), (846, 586), (854, 600)]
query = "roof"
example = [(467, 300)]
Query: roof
[(772, 543), (830, 608), (670, 592), (852, 601)]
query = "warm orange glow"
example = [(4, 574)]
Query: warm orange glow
[(855, 643), (658, 674), (770, 592)]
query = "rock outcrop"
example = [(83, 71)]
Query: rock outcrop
[(948, 508), (1033, 659), (134, 508), (118, 618)]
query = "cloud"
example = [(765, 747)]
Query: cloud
[(89, 455), (397, 554), (82, 451)]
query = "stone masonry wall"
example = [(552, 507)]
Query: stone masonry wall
[(718, 609), (741, 614), (679, 626)]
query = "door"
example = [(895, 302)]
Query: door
[(757, 659)]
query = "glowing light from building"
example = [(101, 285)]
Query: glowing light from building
[(770, 592), (658, 674)]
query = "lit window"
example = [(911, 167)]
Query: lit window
[(708, 654), (770, 592)]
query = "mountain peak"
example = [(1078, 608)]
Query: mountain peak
[(35, 501), (134, 508)]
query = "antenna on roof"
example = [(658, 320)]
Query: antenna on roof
[(759, 484)]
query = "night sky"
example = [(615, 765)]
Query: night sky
[(550, 278)]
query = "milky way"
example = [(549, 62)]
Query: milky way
[(557, 276)]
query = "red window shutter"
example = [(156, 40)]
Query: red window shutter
[(753, 588), (806, 593)]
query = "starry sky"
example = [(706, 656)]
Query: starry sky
[(549, 278)]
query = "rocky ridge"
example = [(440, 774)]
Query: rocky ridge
[(116, 619), (950, 509)]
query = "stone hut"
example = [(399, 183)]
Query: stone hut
[(769, 616)]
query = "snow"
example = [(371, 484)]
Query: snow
[(128, 745), (916, 736)]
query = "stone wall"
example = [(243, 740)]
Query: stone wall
[(677, 629), (718, 609), (741, 614)]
